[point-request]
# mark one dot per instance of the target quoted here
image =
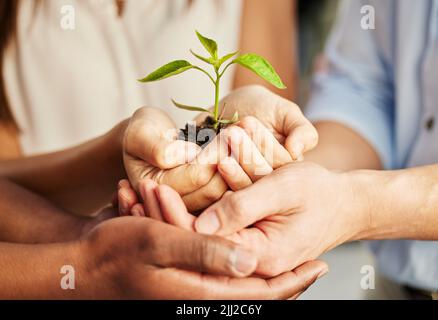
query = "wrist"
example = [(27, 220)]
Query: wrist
[(380, 197), (113, 147), (103, 267)]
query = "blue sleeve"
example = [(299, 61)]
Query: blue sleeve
[(357, 88)]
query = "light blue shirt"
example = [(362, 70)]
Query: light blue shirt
[(383, 84)]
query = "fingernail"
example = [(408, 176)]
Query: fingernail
[(207, 223), (243, 261), (136, 212), (226, 167), (297, 150), (322, 273), (235, 137), (192, 152), (125, 197)]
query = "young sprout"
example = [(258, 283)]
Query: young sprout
[(251, 61)]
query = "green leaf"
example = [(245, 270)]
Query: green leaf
[(168, 70), (234, 119), (223, 121), (261, 67), (206, 60), (190, 108), (227, 57), (209, 45)]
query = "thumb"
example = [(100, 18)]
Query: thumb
[(153, 137), (238, 210), (301, 135), (210, 254)]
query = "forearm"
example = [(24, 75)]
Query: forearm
[(399, 204), (28, 218), (34, 272), (261, 22), (340, 148), (80, 179)]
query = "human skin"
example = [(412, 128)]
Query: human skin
[(165, 204), (261, 22), (82, 178), (193, 173), (316, 209), (110, 257), (27, 218)]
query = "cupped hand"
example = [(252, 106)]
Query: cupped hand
[(234, 159), (291, 216), (274, 239), (280, 116), (142, 258)]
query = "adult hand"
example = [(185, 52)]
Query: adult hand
[(295, 214), (133, 257), (271, 240)]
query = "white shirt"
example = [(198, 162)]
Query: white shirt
[(67, 86)]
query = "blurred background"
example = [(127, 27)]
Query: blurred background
[(315, 19)]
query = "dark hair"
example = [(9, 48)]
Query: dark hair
[(8, 22)]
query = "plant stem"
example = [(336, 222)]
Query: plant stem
[(205, 72), (216, 97)]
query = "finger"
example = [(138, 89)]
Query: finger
[(243, 208), (273, 152), (173, 208), (169, 154), (247, 154), (301, 135), (233, 174), (151, 205), (126, 199), (152, 136), (252, 288), (190, 177), (206, 195), (179, 248), (138, 210), (301, 278), (124, 183)]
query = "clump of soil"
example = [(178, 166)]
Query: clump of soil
[(203, 134)]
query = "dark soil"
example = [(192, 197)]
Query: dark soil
[(202, 135)]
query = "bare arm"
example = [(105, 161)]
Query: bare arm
[(9, 144), (400, 204), (28, 218), (81, 179), (341, 148), (33, 271), (268, 28)]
